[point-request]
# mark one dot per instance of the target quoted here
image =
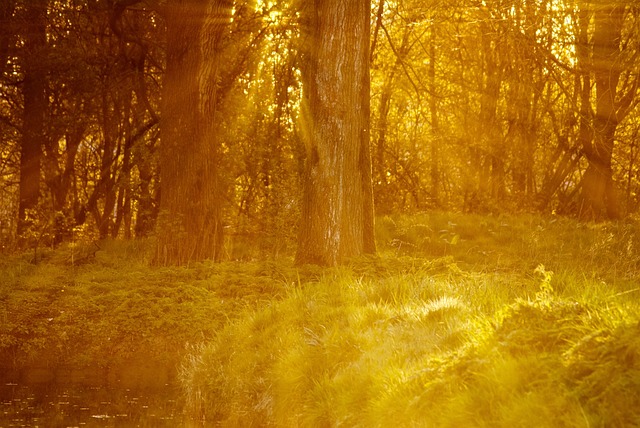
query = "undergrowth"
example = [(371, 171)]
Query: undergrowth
[(460, 321), (114, 308)]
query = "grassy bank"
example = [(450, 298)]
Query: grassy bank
[(459, 321), (462, 321), (101, 311)]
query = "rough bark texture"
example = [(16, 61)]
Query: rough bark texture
[(35, 105), (599, 199), (337, 207), (190, 223)]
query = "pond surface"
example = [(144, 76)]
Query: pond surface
[(54, 405)]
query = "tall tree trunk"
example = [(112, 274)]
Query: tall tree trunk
[(337, 206), (147, 204), (436, 137), (492, 176), (384, 201), (59, 177), (35, 106), (598, 188), (7, 8), (190, 226), (106, 187)]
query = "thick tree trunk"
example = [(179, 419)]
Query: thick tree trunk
[(190, 223), (599, 192), (35, 105), (599, 198), (337, 207)]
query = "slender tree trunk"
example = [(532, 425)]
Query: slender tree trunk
[(337, 206), (123, 202), (190, 223), (436, 137), (526, 86), (107, 179), (560, 166), (383, 200), (376, 30), (146, 212), (59, 178), (148, 190), (492, 179), (35, 106)]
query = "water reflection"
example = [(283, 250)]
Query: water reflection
[(58, 406)]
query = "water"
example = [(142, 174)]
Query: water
[(52, 405)]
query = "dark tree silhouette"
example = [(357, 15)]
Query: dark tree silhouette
[(190, 227)]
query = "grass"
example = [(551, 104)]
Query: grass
[(114, 310), (460, 321)]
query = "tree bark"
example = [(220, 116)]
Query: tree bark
[(35, 106), (491, 163), (436, 137), (599, 198), (337, 206), (190, 223)]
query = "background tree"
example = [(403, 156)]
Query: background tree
[(513, 88), (191, 227), (9, 128), (34, 92), (494, 106), (616, 93)]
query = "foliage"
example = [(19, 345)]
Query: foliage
[(476, 107), (101, 305), (483, 335), (523, 321)]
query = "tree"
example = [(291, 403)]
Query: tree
[(613, 103), (34, 111), (337, 204), (381, 184), (190, 227)]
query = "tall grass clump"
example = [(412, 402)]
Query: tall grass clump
[(315, 352), (461, 322)]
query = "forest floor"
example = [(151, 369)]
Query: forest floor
[(460, 321)]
